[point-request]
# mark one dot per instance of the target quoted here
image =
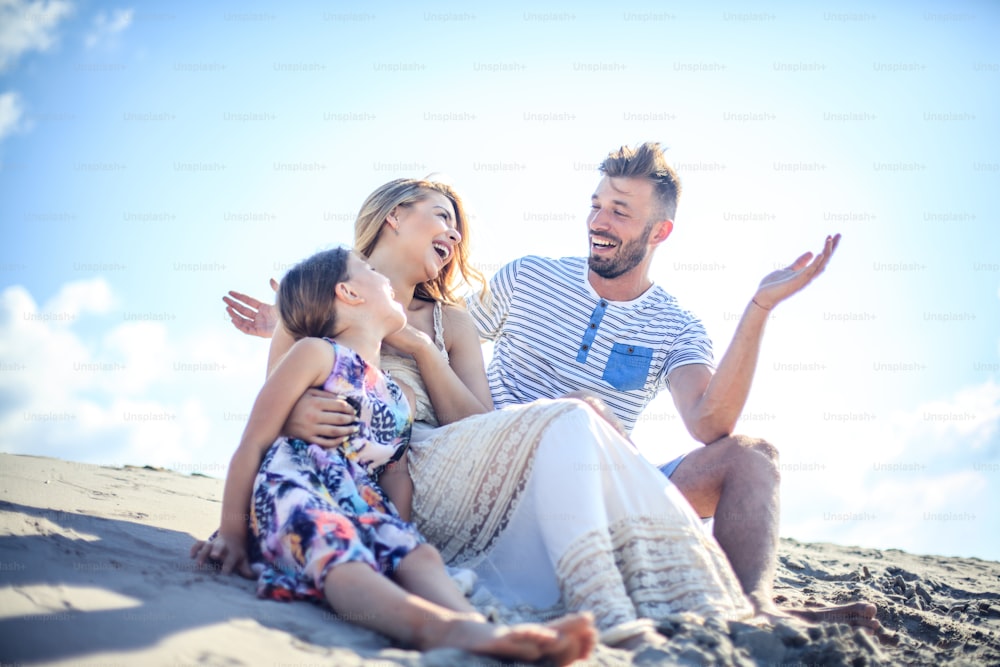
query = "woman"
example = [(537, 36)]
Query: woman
[(546, 502)]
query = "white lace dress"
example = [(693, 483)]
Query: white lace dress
[(555, 511)]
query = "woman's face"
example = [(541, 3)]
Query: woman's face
[(428, 230)]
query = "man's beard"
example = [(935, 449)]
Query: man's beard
[(627, 256)]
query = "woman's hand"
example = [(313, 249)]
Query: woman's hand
[(396, 482), (408, 340), (251, 316), (321, 418), (231, 552)]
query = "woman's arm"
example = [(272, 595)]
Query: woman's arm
[(307, 364), (395, 478), (466, 353), (395, 481), (457, 386)]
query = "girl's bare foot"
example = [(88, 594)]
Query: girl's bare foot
[(562, 641)]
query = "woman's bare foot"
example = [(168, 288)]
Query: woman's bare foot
[(633, 635), (562, 641), (577, 638), (642, 640)]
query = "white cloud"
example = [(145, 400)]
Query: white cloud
[(84, 296), (106, 27), (28, 26), (970, 417), (11, 113), (142, 393), (925, 480)]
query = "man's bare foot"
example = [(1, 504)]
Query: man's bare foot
[(855, 614), (562, 644)]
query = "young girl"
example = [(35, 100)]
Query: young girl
[(324, 527)]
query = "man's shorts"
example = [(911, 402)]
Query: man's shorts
[(669, 468)]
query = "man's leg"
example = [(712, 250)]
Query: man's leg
[(736, 480)]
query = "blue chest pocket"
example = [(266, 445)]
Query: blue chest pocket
[(628, 366)]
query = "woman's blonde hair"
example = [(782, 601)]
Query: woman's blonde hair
[(406, 192)]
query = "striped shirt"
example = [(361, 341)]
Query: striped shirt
[(553, 334)]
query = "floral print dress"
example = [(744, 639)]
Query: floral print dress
[(314, 508)]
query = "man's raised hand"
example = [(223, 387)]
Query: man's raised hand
[(783, 283)]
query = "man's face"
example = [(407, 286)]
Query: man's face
[(622, 218)]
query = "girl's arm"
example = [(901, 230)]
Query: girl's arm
[(316, 416), (307, 364)]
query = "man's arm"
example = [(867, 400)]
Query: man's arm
[(710, 404)]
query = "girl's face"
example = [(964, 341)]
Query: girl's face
[(375, 289), (427, 228)]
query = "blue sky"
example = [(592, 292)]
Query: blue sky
[(154, 156)]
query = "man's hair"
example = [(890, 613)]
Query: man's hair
[(647, 161), (405, 192), (307, 294)]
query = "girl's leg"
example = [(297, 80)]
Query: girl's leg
[(422, 573), (359, 594)]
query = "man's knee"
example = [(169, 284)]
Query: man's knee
[(764, 447), (755, 453)]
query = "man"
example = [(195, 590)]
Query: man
[(599, 327)]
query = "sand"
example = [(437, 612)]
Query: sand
[(94, 570)]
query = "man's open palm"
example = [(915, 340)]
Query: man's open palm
[(781, 284)]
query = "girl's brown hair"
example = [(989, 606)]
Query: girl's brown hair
[(307, 294)]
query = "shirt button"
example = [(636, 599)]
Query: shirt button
[(584, 347), (630, 350), (603, 304), (593, 326)]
